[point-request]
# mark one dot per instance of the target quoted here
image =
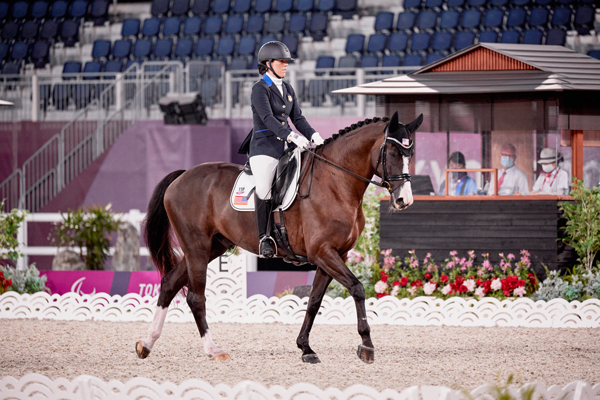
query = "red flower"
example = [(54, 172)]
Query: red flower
[(428, 276), (384, 278), (459, 280), (403, 281), (444, 278), (510, 283), (382, 272), (418, 283), (396, 283), (380, 295)]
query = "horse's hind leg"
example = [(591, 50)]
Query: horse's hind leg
[(319, 287), (170, 285)]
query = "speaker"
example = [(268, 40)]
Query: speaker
[(183, 109)]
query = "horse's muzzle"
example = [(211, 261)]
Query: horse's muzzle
[(404, 199)]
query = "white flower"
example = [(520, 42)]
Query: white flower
[(395, 291), (446, 289), (479, 292), (380, 287), (429, 288), (496, 284), (470, 284), (413, 290), (520, 291)]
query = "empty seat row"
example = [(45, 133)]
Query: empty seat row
[(95, 10), (481, 4), (581, 19), (37, 53), (66, 31)]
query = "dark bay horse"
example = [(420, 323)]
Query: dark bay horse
[(322, 227)]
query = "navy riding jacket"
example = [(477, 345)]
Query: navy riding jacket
[(270, 113)]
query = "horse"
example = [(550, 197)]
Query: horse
[(323, 226)]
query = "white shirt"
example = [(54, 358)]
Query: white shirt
[(514, 181), (555, 182), (278, 82)]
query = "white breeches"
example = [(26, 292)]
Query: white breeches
[(263, 170)]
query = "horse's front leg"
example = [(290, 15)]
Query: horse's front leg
[(319, 287), (170, 285), (334, 266)]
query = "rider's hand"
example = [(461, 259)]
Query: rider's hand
[(298, 140), (317, 139)]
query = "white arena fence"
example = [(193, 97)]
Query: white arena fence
[(35, 386)]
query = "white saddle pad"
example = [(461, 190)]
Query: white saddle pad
[(241, 200)]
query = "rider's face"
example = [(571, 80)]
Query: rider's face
[(280, 67)]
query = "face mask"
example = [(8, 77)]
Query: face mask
[(548, 167), (507, 161)]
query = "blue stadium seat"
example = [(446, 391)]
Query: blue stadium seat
[(275, 24), (455, 4), (355, 43), (247, 46), (82, 93), (122, 48), (384, 21), (131, 27), (568, 3), (594, 54), (101, 49), (406, 21), (183, 48), (411, 4), (493, 18), (538, 17), (10, 30), (516, 18), (584, 19), (213, 25), (369, 61), (78, 9), (477, 3), (234, 24), (412, 60), (442, 41), (449, 19), (180, 8), (498, 3), (533, 36), (510, 36), (488, 37), (192, 26), (225, 46), (348, 61), (292, 44), (220, 6), (11, 68), (520, 3), (239, 63), (561, 17), (49, 30), (19, 10), (69, 32), (241, 6), (163, 48), (346, 8), (471, 19), (19, 51), (377, 43), (39, 9), (99, 11), (262, 6), (324, 62), (142, 49), (556, 36), (318, 26), (201, 7), (325, 5), (297, 24), (434, 4), (59, 9), (390, 60), (115, 66), (427, 20), (303, 6), (208, 92), (71, 67), (171, 27), (463, 39), (265, 39), (255, 24), (159, 7), (4, 50), (151, 27), (420, 41), (433, 57), (283, 6), (4, 7), (397, 42), (204, 47), (29, 30)]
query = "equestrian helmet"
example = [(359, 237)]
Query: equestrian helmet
[(274, 51)]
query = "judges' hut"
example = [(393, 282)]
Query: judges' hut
[(475, 102)]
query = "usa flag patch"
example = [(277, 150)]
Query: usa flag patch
[(405, 142), (240, 200)]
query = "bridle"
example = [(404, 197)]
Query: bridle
[(406, 148)]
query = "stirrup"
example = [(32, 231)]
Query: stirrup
[(269, 238)]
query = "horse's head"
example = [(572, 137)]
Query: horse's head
[(395, 154)]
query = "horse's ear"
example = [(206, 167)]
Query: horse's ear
[(393, 125), (413, 126)]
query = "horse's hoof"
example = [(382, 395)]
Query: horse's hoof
[(310, 359), (222, 357), (141, 350), (367, 354)]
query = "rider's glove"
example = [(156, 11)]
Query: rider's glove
[(298, 140), (317, 139)]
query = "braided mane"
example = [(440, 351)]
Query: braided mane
[(352, 127)]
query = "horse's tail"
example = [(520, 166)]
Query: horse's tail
[(157, 230)]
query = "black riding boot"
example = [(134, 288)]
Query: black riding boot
[(263, 211)]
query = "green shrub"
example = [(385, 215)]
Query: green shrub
[(25, 281), (9, 226)]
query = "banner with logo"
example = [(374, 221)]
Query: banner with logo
[(144, 283)]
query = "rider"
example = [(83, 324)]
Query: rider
[(273, 101)]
